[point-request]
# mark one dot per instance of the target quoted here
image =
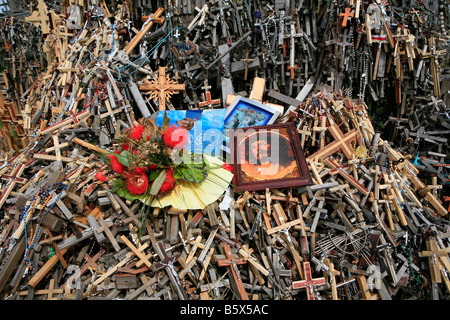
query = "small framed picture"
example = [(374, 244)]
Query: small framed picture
[(268, 157), (244, 112)]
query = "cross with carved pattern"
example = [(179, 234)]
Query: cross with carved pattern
[(209, 102), (161, 88), (309, 283), (345, 16), (233, 262), (13, 179)]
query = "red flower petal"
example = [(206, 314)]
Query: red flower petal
[(125, 146), (169, 183), (175, 137), (137, 183), (100, 176), (116, 165), (140, 170), (228, 167), (153, 167), (136, 132)]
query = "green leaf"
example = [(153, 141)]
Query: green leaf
[(153, 175), (157, 184), (121, 190), (123, 158), (192, 172)]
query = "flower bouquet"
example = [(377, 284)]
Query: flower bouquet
[(152, 165)]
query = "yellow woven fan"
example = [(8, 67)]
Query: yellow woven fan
[(196, 196)]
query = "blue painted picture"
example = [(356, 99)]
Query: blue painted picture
[(206, 134), (243, 113)]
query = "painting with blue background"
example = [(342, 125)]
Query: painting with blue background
[(207, 132)]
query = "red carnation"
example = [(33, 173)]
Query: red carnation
[(153, 167), (137, 182), (125, 146), (100, 176), (169, 183), (136, 132), (226, 166), (140, 170), (116, 165), (176, 137)]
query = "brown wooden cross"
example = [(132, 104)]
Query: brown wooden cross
[(246, 60), (233, 262), (434, 55), (40, 18), (209, 102), (13, 179), (57, 251), (292, 70), (342, 142), (332, 274), (447, 199), (345, 16), (304, 132), (437, 258), (75, 118), (161, 88), (337, 169), (309, 283)]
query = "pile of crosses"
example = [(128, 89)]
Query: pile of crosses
[(370, 227)]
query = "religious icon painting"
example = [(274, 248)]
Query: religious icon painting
[(268, 157), (244, 112)]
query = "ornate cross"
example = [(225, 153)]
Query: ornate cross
[(161, 88), (309, 283), (233, 262)]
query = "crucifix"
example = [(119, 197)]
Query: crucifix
[(161, 88), (332, 273), (437, 259), (166, 262), (12, 178), (309, 283), (75, 118), (434, 55), (350, 179), (233, 262), (208, 102)]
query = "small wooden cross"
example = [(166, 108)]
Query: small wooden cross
[(332, 274), (339, 170), (292, 70), (161, 88), (345, 16), (233, 262), (13, 178), (309, 283), (437, 257), (209, 102), (73, 118), (304, 132), (246, 60)]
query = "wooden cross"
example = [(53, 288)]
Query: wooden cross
[(345, 16), (342, 142), (40, 18), (57, 251), (161, 88), (233, 262), (146, 26), (209, 102), (350, 179), (437, 257), (13, 179), (322, 129), (75, 118), (332, 273), (246, 60), (304, 132), (446, 200), (166, 262), (309, 283), (434, 55), (292, 70)]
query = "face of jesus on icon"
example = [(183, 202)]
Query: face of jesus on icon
[(260, 151)]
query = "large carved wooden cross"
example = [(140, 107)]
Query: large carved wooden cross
[(309, 283), (161, 88)]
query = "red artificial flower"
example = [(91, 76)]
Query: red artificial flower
[(137, 182), (100, 176), (117, 151), (116, 165), (226, 166), (153, 167), (176, 137), (140, 170), (136, 132), (125, 146), (169, 183)]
